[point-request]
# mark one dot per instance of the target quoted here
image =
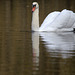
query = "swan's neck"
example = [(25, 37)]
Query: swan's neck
[(35, 20)]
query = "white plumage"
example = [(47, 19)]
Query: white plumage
[(55, 21)]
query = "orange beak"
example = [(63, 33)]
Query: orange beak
[(33, 9)]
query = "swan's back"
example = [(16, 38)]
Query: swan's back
[(58, 21)]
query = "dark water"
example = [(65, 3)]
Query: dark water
[(23, 52), (27, 53)]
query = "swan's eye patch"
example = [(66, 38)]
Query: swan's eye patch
[(34, 5)]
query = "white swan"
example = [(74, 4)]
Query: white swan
[(55, 21)]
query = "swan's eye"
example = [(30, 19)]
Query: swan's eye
[(34, 5), (33, 8)]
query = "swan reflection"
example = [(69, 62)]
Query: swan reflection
[(35, 47), (57, 44)]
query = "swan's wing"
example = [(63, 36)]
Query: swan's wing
[(74, 21), (64, 20), (61, 20), (49, 19), (74, 25), (71, 20)]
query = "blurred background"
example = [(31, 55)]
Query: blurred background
[(16, 14)]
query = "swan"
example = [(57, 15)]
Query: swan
[(55, 21)]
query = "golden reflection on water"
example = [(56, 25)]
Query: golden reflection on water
[(20, 52)]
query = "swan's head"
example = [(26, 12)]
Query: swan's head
[(34, 6)]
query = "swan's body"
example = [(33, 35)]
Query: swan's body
[(55, 21)]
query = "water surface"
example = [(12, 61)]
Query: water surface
[(34, 53), (53, 53)]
